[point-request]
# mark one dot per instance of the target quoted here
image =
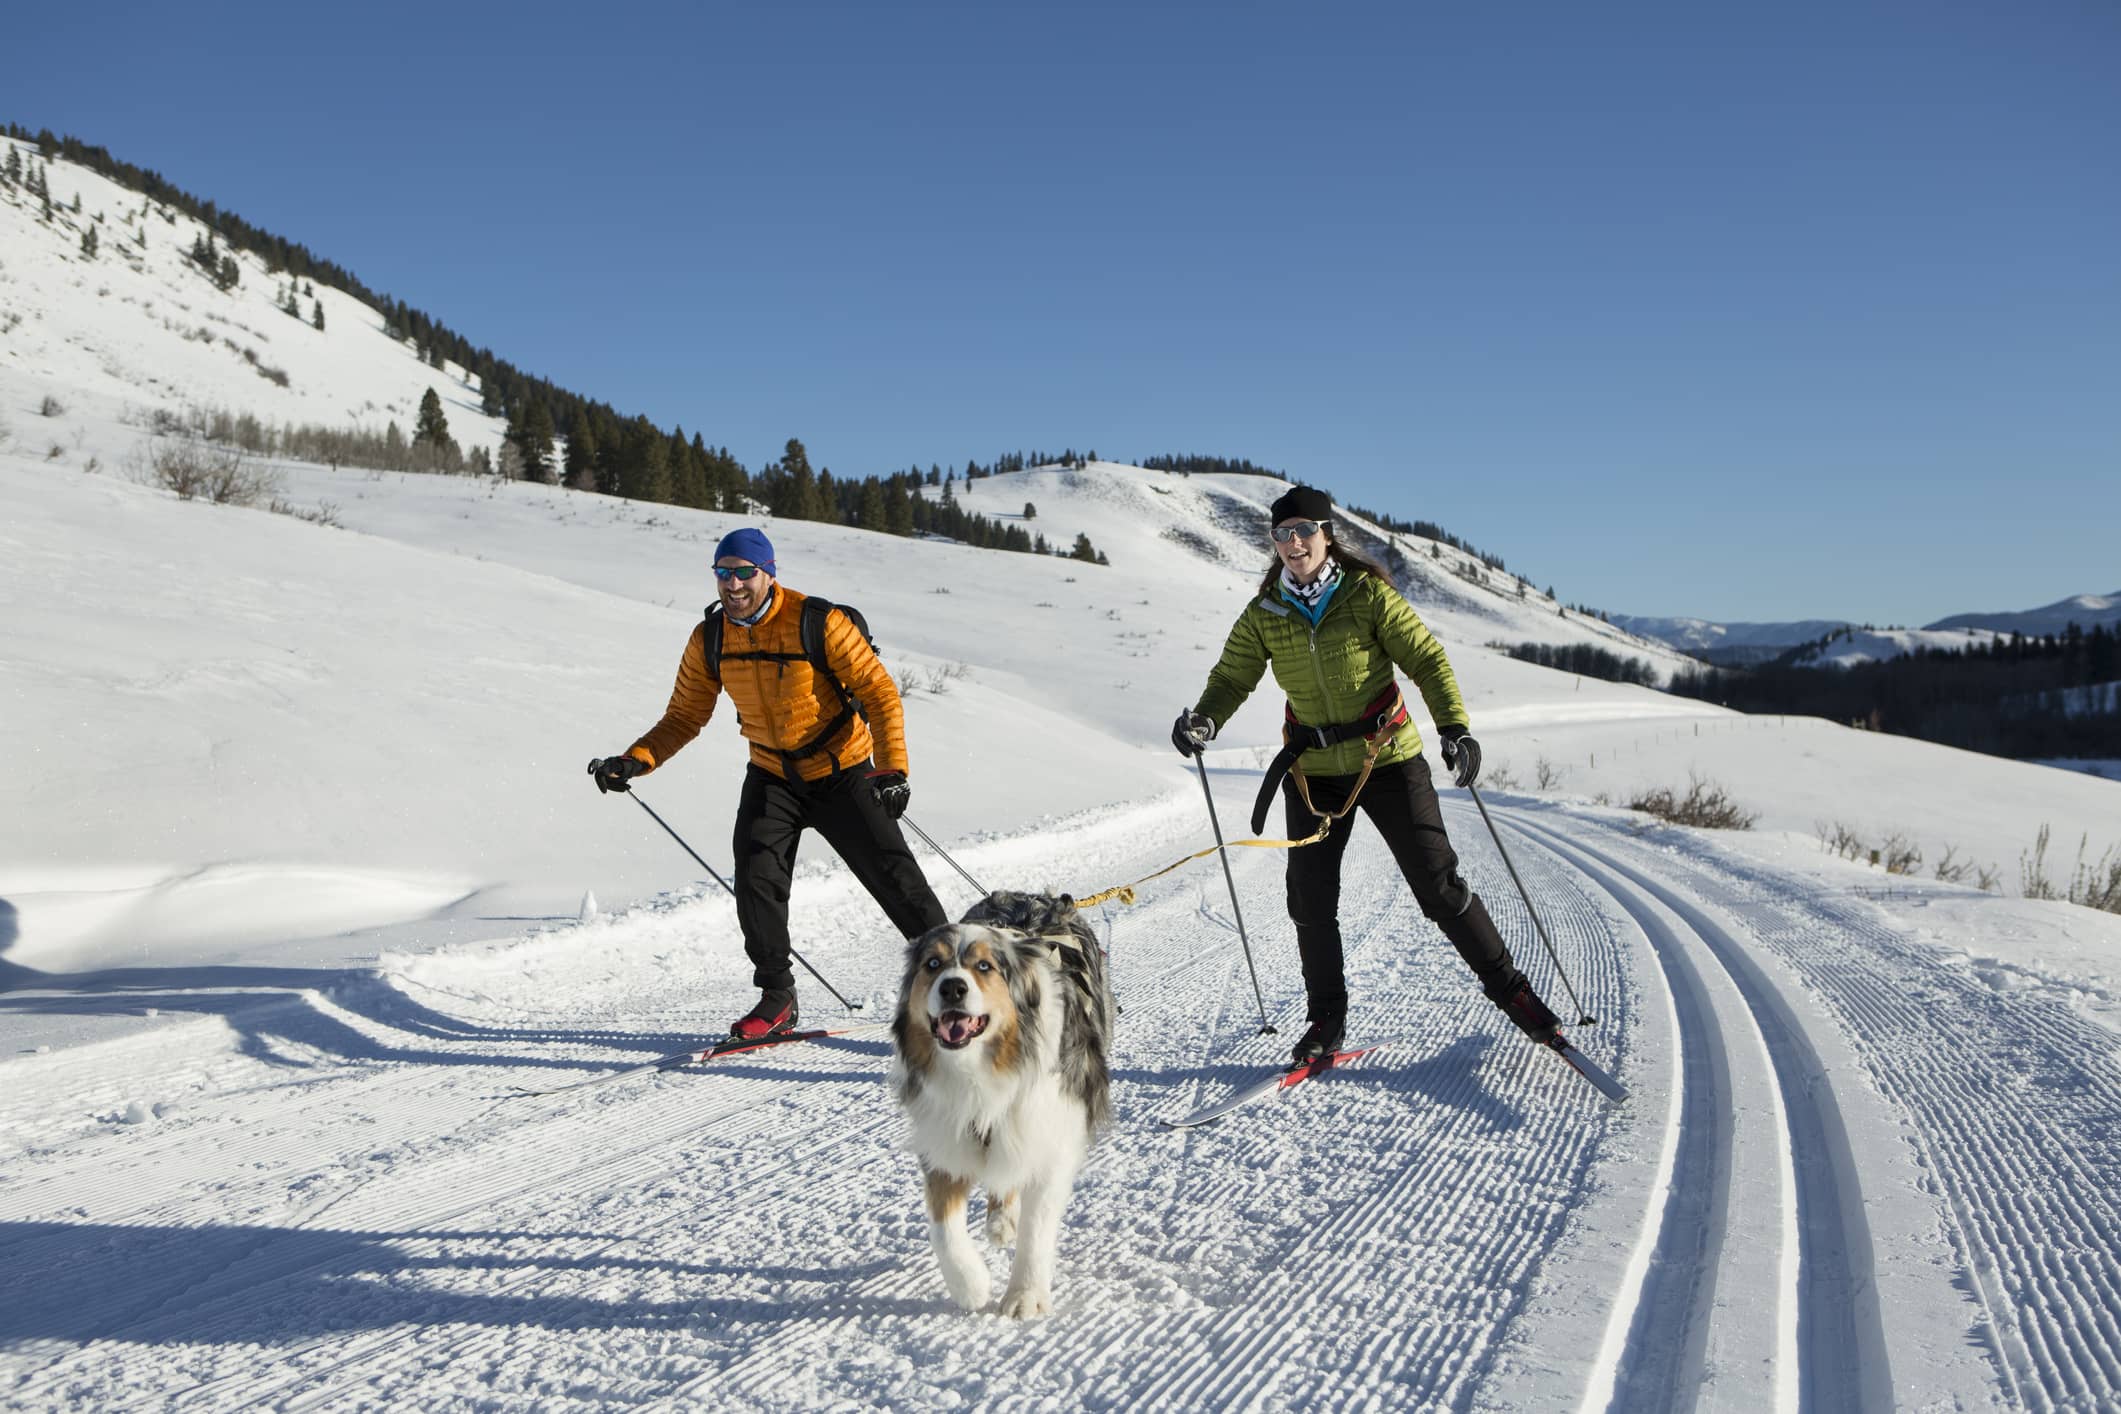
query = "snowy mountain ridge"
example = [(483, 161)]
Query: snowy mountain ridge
[(1743, 644), (2083, 610)]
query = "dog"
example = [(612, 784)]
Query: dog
[(1003, 1039)]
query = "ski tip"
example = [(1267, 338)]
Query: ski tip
[(1590, 1070)]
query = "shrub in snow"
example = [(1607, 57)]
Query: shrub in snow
[(2090, 885), (195, 471), (51, 406), (1705, 806), (1899, 854), (325, 514)]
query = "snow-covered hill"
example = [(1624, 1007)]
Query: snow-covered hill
[(292, 890), (138, 329), (1847, 647), (1743, 644), (1732, 645), (2083, 610)]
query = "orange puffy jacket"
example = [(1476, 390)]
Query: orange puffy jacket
[(780, 705)]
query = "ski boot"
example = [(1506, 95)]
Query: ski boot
[(1522, 1005), (1322, 1038), (774, 1014)]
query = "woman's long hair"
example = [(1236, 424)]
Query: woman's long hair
[(1349, 562)]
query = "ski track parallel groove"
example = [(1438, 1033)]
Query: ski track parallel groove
[(1663, 1362), (2011, 1114), (1842, 1355)]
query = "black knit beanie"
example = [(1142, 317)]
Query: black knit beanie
[(1306, 501)]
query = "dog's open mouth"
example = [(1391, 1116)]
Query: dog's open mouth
[(954, 1029)]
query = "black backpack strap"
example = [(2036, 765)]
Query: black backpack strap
[(711, 640), (810, 631)]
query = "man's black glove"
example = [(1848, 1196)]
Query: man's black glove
[(613, 772), (1461, 754), (1191, 732), (893, 792)]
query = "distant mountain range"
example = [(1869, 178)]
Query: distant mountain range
[(1742, 644), (2082, 609)]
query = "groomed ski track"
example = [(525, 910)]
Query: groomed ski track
[(340, 1210)]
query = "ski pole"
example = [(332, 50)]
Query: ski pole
[(1586, 1019), (1222, 851), (851, 1006), (907, 821)]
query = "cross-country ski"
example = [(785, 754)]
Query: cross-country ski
[(1276, 1084), (699, 1055)]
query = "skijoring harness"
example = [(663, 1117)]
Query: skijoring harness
[(1385, 715)]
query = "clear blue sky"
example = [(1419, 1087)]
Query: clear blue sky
[(1751, 312)]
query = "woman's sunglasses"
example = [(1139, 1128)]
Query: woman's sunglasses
[(736, 571), (1283, 534)]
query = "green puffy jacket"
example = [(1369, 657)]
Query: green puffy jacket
[(1331, 672)]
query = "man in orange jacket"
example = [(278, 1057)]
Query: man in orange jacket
[(811, 760)]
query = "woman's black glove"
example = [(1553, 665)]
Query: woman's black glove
[(1461, 754), (893, 791), (613, 772), (1191, 732)]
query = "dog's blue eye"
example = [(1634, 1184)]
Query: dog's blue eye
[(933, 964), (985, 966)]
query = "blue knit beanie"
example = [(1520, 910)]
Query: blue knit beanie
[(749, 543)]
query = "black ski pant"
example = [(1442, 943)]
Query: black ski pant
[(1401, 802), (771, 816)]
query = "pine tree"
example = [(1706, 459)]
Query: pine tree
[(579, 468), (898, 508), (14, 165), (88, 242), (316, 314), (871, 512), (654, 462), (795, 494), (534, 442), (433, 426), (1030, 511)]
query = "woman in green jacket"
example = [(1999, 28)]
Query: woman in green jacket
[(1332, 627)]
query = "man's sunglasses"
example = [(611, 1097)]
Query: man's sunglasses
[(1283, 534), (736, 571)]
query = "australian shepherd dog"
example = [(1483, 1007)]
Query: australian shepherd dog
[(1003, 1034)]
